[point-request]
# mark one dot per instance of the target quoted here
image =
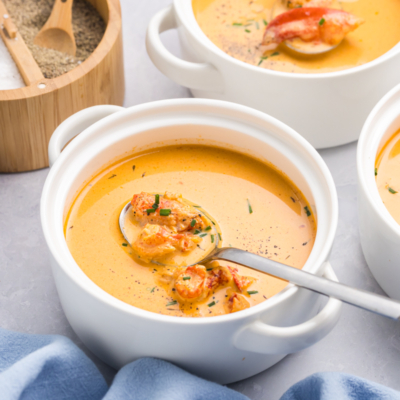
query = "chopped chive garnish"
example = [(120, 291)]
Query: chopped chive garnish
[(207, 228), (249, 50), (196, 231), (265, 22), (392, 190), (250, 207), (209, 269), (193, 223), (152, 290), (248, 24), (133, 167), (259, 63), (237, 24), (308, 212), (212, 238), (250, 292), (264, 57), (321, 21), (165, 212), (275, 54), (112, 176), (157, 199), (203, 234), (197, 206), (376, 171), (155, 206), (219, 235), (150, 210), (186, 278), (124, 244), (172, 303), (257, 25), (211, 304), (247, 30)]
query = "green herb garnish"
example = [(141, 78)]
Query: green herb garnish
[(257, 25), (219, 235), (250, 292), (376, 171), (250, 207), (259, 63), (124, 244), (308, 212), (211, 304), (207, 228), (321, 21), (196, 231), (150, 210), (133, 167), (265, 22), (275, 54), (247, 30), (209, 269), (197, 206), (152, 290), (186, 278), (112, 176), (203, 234), (165, 212), (212, 238), (391, 190), (193, 223), (157, 201), (172, 303), (237, 24)]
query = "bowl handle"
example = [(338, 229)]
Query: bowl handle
[(261, 338), (185, 73), (76, 124)]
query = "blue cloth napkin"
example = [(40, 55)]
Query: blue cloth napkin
[(51, 367)]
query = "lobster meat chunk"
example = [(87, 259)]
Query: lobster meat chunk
[(311, 24)]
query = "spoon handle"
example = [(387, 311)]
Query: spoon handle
[(356, 297)]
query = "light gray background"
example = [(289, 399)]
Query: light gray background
[(362, 344)]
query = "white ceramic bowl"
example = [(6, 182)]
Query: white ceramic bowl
[(224, 348), (327, 109), (379, 232)]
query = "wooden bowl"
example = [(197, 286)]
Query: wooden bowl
[(29, 115)]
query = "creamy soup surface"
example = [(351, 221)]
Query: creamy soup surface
[(256, 207), (387, 175), (237, 28)]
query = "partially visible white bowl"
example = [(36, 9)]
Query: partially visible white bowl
[(328, 109), (224, 348), (379, 232)]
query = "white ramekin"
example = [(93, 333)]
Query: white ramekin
[(379, 232), (225, 348), (327, 109)]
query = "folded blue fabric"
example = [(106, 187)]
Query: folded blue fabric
[(338, 386), (51, 367)]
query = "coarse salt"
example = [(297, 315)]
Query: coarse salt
[(10, 77)]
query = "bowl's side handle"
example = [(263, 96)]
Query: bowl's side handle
[(185, 73), (259, 337), (76, 124)]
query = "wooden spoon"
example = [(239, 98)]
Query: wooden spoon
[(57, 31)]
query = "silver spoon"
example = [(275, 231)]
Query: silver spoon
[(366, 300)]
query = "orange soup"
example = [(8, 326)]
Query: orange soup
[(237, 27), (249, 204), (387, 175)]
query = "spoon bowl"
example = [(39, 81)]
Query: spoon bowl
[(57, 32), (130, 233), (298, 45)]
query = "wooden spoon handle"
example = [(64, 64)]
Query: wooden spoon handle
[(61, 15), (20, 53)]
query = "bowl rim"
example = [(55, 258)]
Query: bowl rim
[(367, 149), (209, 46), (158, 106)]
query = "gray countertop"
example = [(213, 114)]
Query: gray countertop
[(362, 343)]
